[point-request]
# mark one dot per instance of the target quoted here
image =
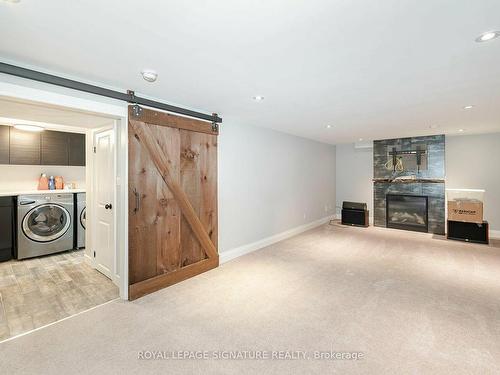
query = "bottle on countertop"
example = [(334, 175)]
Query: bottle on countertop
[(59, 183), (43, 182), (52, 183)]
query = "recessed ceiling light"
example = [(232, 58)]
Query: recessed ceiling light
[(489, 35), (149, 75), (360, 140), (258, 98), (468, 107), (29, 128), (328, 126), (461, 130)]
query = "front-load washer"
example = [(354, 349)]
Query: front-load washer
[(80, 220), (44, 224)]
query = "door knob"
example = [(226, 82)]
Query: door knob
[(108, 206)]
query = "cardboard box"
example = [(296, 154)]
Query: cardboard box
[(469, 211)]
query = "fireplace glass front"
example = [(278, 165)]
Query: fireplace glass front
[(407, 212)]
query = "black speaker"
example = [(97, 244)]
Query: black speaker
[(355, 214), (354, 206), (469, 232)]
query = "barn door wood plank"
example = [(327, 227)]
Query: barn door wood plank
[(146, 137), (142, 231), (192, 251), (168, 215), (199, 181), (161, 281), (207, 167), (150, 116)]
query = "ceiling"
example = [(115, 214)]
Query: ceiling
[(15, 112), (370, 69)]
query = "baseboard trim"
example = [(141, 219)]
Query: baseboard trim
[(226, 256)]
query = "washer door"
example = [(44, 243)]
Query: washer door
[(83, 217), (46, 223)]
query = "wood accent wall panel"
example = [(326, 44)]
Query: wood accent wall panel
[(170, 167)]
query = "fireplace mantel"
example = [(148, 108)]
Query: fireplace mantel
[(409, 180)]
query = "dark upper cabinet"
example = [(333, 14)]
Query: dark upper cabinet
[(54, 148), (76, 149), (4, 144), (46, 148), (24, 147)]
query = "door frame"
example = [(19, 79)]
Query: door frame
[(92, 199), (21, 89)]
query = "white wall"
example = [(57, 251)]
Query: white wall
[(25, 177), (269, 183), (354, 175), (473, 162)]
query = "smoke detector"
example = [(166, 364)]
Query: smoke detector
[(149, 75)]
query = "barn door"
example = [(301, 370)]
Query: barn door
[(172, 199)]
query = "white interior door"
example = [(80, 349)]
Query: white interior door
[(104, 202)]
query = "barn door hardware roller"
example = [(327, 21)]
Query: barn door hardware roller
[(128, 97), (136, 108), (215, 125)]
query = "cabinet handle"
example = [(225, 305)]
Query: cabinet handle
[(137, 200)]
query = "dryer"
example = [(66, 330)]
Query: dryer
[(80, 220), (44, 224)]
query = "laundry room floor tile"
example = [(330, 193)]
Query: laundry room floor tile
[(39, 291)]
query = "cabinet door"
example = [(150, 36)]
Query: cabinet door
[(54, 148), (24, 147), (4, 144), (76, 149), (6, 234)]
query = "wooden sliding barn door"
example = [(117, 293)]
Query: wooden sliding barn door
[(172, 200)]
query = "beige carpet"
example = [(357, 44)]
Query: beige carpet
[(412, 304)]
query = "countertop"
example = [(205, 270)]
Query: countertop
[(14, 193)]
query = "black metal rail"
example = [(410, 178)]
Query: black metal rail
[(128, 97)]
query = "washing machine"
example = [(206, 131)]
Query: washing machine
[(80, 218), (44, 224)]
